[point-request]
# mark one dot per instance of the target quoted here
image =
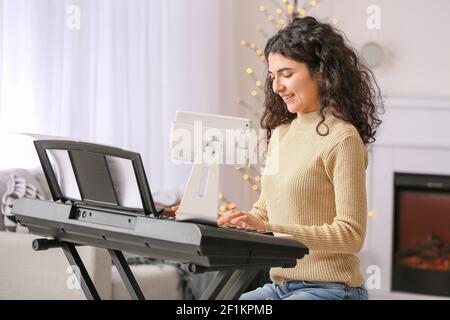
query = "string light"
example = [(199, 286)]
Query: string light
[(270, 17), (251, 73), (226, 205), (259, 52), (261, 30), (242, 102)]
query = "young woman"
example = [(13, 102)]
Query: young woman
[(320, 113)]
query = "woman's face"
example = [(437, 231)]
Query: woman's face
[(294, 83)]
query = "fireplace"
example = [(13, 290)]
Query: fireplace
[(421, 246)]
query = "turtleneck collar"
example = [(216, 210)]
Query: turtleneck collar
[(307, 119), (307, 116)]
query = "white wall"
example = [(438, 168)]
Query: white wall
[(415, 35)]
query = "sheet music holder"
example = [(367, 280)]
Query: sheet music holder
[(95, 174)]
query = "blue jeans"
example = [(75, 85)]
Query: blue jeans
[(307, 290)]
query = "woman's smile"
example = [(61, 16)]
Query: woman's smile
[(289, 98)]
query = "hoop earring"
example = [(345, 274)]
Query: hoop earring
[(327, 129)]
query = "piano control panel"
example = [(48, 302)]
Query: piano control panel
[(86, 214)]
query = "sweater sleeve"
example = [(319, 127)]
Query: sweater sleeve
[(345, 164), (259, 208)]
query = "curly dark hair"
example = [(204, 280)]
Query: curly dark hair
[(347, 87)]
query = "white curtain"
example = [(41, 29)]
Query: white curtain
[(110, 71)]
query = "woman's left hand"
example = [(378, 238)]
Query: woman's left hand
[(241, 219), (171, 212)]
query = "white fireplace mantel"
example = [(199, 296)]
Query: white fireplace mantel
[(414, 138)]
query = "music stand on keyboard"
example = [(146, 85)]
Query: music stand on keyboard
[(97, 170)]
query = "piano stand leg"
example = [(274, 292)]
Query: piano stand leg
[(216, 285), (237, 284), (126, 275), (229, 285), (85, 281)]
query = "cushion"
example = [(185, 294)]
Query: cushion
[(20, 183)]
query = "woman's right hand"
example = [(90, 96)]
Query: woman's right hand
[(241, 219)]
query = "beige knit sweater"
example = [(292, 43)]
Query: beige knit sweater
[(316, 192)]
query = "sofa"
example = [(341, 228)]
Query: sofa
[(27, 274)]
